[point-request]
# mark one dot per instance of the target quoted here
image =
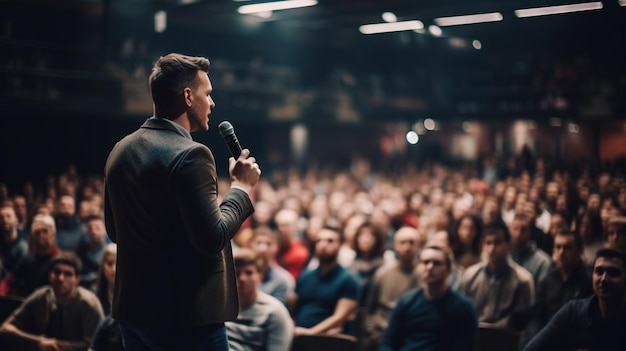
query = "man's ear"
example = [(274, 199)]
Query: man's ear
[(188, 96)]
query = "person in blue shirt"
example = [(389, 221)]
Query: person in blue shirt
[(327, 296), (432, 317)]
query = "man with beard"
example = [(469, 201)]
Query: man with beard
[(594, 323), (327, 296)]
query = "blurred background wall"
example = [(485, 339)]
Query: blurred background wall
[(305, 86)]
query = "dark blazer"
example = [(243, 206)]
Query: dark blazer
[(174, 262)]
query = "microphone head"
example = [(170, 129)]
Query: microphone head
[(225, 128)]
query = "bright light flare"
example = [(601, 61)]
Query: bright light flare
[(275, 6), (412, 137), (377, 28), (554, 10), (430, 124)]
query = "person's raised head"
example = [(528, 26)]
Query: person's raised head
[(170, 75)]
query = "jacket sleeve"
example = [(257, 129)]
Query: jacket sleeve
[(193, 183)]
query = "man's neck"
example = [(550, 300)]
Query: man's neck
[(567, 272), (610, 308), (435, 291), (327, 267), (245, 301), (406, 265), (10, 236), (63, 299), (497, 267)]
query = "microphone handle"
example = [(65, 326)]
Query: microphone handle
[(233, 145)]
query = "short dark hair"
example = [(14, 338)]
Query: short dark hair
[(610, 254), (497, 228), (246, 257), (68, 258), (578, 240), (93, 218), (172, 73)]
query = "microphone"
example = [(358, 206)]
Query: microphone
[(228, 133)]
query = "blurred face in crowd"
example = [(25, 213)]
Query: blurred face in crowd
[(557, 223), (327, 246), (509, 196), (248, 278), (265, 245), (616, 237), (495, 248), (20, 206), (287, 224), (565, 253), (520, 233), (593, 204), (8, 219), (530, 211), (365, 239), (96, 231), (42, 237), (467, 231), (406, 244), (109, 266), (609, 278), (433, 267), (67, 206), (490, 211), (64, 280)]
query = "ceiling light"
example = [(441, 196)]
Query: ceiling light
[(390, 27), (275, 6), (477, 44), (469, 19), (553, 10), (389, 17)]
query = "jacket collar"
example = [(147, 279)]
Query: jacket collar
[(164, 124)]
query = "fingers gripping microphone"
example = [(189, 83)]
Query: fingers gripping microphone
[(228, 133)]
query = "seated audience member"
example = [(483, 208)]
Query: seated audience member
[(327, 296), (60, 316), (292, 254), (498, 286), (389, 282), (524, 251), (433, 317), (597, 322), (616, 233), (275, 280), (537, 235), (70, 231), (107, 336), (32, 270), (465, 239), (567, 280), (105, 282), (263, 322), (90, 251), (12, 246), (369, 244), (442, 238), (558, 222)]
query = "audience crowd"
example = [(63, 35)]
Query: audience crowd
[(331, 251)]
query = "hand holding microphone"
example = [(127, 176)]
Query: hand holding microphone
[(244, 171)]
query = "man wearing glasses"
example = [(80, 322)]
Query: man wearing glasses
[(59, 316), (433, 317)]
